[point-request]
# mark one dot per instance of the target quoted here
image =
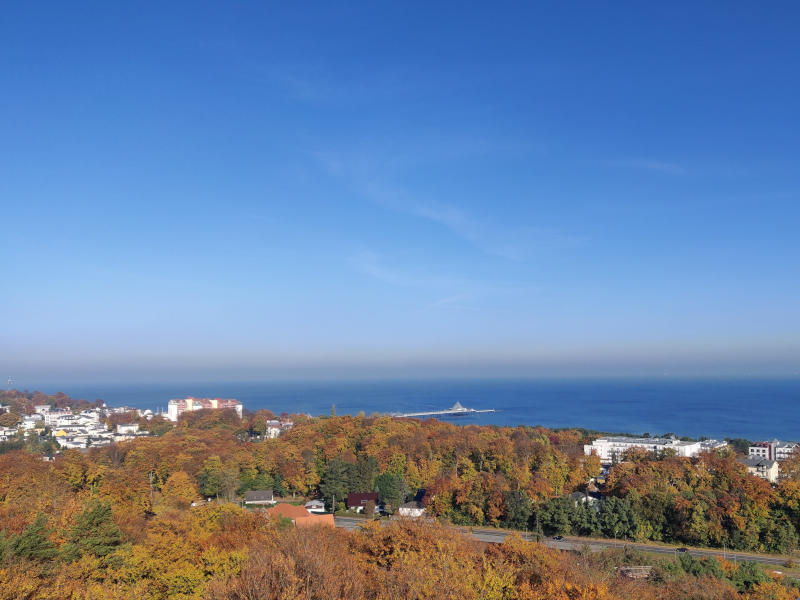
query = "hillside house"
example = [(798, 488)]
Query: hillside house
[(315, 506), (765, 468), (358, 501), (259, 498), (415, 508)]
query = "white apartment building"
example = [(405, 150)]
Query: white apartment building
[(608, 448), (177, 407), (31, 422), (128, 428), (51, 417), (774, 450)]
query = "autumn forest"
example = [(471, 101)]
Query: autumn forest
[(119, 522)]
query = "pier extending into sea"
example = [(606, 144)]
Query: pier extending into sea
[(454, 411)]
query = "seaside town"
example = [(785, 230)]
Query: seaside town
[(104, 425), (400, 301), (202, 457)]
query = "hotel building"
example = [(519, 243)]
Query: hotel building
[(177, 407)]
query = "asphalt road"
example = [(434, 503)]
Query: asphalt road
[(576, 543)]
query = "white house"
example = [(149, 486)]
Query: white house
[(315, 506), (766, 468), (92, 415), (69, 441), (31, 422), (411, 509), (259, 497), (128, 428)]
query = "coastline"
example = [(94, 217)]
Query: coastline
[(690, 407)]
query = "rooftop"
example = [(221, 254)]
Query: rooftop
[(360, 499), (652, 441), (258, 496), (755, 462), (289, 511)]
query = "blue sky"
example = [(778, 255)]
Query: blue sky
[(236, 190)]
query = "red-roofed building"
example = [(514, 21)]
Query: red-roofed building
[(289, 511), (358, 501), (299, 516)]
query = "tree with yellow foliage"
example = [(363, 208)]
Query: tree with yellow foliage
[(179, 490)]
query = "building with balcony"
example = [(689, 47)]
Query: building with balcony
[(176, 408), (774, 450), (614, 447)]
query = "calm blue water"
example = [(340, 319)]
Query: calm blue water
[(750, 408)]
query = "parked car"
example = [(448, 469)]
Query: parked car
[(683, 550), (558, 538)]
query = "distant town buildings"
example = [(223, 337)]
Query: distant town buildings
[(774, 450), (763, 459), (51, 416), (274, 428), (69, 429), (613, 447), (88, 428), (177, 407)]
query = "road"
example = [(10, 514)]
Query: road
[(496, 536)]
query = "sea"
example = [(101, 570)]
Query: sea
[(755, 409)]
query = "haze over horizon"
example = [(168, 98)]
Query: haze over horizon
[(221, 192)]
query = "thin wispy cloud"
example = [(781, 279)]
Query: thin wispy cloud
[(370, 263), (513, 243), (376, 266), (313, 84), (659, 166), (435, 291), (516, 243), (457, 302)]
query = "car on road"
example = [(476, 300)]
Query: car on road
[(558, 538), (682, 550)]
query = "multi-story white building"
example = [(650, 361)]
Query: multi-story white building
[(774, 450), (51, 417), (176, 408), (128, 428), (31, 422), (609, 448)]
